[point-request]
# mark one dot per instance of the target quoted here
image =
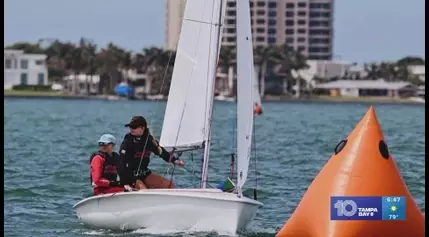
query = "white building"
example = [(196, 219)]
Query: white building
[(24, 69), (418, 70), (324, 69)]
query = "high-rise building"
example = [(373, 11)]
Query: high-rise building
[(305, 25)]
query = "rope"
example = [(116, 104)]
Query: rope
[(156, 106), (255, 162)]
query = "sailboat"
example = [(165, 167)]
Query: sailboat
[(186, 127)]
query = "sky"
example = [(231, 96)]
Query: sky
[(364, 30)]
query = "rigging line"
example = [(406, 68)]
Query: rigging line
[(254, 152), (207, 126), (156, 105)]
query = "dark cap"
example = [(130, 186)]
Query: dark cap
[(137, 121)]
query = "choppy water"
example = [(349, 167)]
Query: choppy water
[(47, 144)]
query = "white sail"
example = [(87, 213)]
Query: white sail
[(245, 78), (189, 104)]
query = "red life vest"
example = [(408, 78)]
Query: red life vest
[(110, 169)]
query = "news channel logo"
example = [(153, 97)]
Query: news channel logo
[(368, 208)]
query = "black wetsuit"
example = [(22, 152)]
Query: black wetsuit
[(133, 155)]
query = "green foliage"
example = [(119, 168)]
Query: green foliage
[(278, 62), (32, 88)]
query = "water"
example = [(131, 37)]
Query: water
[(48, 143)]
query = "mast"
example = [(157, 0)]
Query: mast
[(204, 172)]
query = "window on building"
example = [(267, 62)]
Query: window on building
[(301, 39), (315, 14), (260, 30), (271, 40), (289, 32), (7, 63), (260, 39), (230, 39), (319, 41), (290, 5), (289, 22), (302, 4), (326, 14), (15, 63), (41, 79), (230, 13), (289, 14), (40, 62), (326, 5), (301, 31), (231, 4), (230, 22), (24, 78), (272, 31), (289, 40), (260, 21), (272, 4), (251, 4), (302, 13), (302, 22), (272, 22), (260, 4), (24, 64), (319, 32), (260, 12), (316, 5), (230, 30), (272, 13)]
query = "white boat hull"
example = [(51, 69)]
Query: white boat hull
[(171, 209)]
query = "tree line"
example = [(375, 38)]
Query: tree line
[(280, 61)]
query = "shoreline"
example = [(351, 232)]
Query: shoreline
[(268, 98)]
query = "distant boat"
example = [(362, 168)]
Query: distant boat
[(124, 90)]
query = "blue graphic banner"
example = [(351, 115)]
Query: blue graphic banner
[(368, 208)]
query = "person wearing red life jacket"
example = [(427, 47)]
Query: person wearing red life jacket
[(105, 168)]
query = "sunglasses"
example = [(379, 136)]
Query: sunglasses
[(104, 144), (134, 127)]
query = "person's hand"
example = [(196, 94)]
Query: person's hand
[(179, 162), (128, 188)]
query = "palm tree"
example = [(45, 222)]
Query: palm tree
[(372, 70), (155, 66), (289, 60), (226, 63), (263, 57)]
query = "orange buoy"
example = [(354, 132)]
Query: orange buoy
[(258, 109), (360, 166)]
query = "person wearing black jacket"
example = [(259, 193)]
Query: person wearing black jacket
[(135, 152)]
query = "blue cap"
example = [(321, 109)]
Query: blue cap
[(107, 138)]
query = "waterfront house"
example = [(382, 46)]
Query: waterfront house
[(356, 88), (24, 69)]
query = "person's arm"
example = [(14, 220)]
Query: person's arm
[(154, 147), (124, 157), (96, 172)]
